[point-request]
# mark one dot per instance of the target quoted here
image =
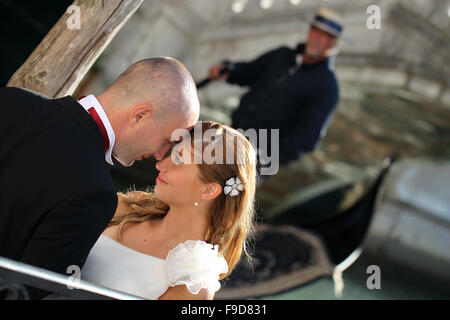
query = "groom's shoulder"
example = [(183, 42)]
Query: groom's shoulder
[(15, 100), (21, 93)]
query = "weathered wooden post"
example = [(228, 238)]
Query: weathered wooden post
[(67, 52)]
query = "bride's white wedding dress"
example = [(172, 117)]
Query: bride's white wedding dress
[(195, 264)]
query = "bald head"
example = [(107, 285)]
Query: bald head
[(163, 83), (146, 103)]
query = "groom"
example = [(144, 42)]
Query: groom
[(56, 192)]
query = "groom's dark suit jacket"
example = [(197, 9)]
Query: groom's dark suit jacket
[(56, 192)]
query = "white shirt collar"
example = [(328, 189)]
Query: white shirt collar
[(91, 101)]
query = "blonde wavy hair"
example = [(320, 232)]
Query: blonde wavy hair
[(232, 218)]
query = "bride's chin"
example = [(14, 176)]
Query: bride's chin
[(158, 194)]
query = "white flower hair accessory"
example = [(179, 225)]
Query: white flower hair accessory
[(233, 186)]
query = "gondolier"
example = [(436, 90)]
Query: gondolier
[(291, 89)]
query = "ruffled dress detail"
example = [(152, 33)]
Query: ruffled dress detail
[(195, 264)]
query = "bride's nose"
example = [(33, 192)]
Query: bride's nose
[(162, 165)]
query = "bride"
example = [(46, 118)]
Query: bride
[(180, 240)]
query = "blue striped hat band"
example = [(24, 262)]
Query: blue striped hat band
[(328, 25)]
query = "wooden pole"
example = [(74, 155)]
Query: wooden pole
[(65, 55)]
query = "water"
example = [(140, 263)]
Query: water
[(397, 283)]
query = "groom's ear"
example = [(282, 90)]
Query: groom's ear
[(211, 191), (140, 113)]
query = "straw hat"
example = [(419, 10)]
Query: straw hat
[(328, 21)]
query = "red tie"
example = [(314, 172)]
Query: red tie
[(101, 126)]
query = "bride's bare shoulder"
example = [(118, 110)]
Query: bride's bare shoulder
[(139, 236), (111, 232)]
